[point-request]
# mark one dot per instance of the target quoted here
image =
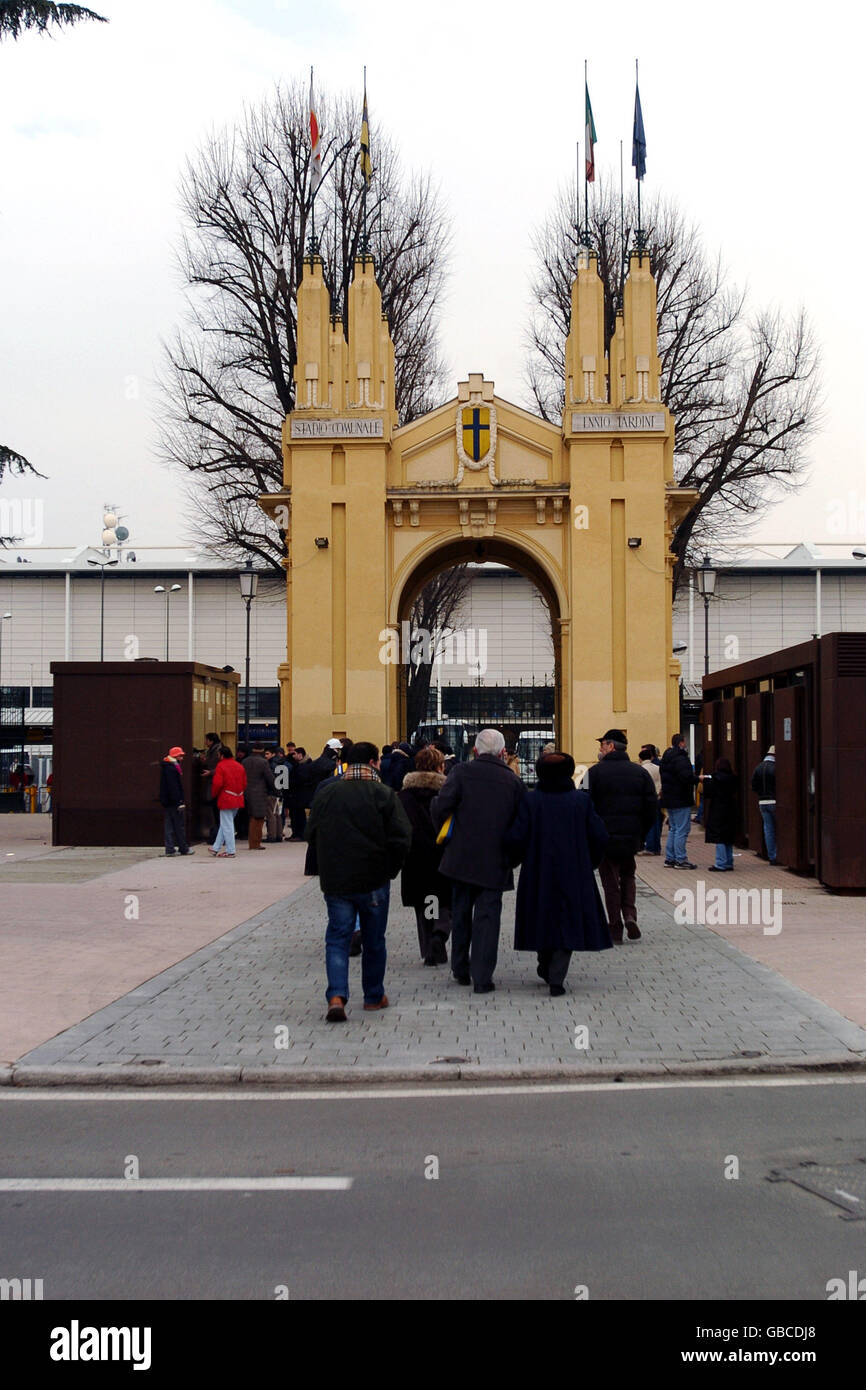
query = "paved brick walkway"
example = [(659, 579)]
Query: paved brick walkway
[(822, 942), (682, 995)]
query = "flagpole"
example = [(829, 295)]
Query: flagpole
[(639, 225), (364, 243), (313, 244), (577, 185), (586, 154), (338, 279), (621, 229)]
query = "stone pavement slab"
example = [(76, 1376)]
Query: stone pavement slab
[(80, 927), (251, 1004), (821, 944)]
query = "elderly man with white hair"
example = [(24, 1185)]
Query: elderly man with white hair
[(482, 798)]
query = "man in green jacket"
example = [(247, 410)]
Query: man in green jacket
[(360, 836)]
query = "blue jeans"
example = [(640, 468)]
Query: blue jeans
[(653, 841), (680, 820), (768, 816), (225, 836), (724, 856), (371, 911)]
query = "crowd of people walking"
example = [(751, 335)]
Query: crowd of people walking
[(455, 832)]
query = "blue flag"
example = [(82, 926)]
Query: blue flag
[(638, 139)]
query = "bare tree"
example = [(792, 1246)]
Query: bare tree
[(229, 382), (435, 612), (744, 390)]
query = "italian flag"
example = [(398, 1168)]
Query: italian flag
[(590, 138)]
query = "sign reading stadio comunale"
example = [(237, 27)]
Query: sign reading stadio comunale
[(338, 429), (616, 421)]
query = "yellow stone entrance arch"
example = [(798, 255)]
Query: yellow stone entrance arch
[(372, 509), (505, 547)]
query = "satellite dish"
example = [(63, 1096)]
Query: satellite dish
[(109, 518), (121, 533), (109, 537)]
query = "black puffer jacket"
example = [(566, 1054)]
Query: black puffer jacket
[(624, 796), (171, 783), (321, 769), (764, 779), (678, 779)]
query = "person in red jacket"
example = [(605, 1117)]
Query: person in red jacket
[(228, 786)]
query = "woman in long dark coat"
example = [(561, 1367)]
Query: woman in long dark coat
[(422, 886), (722, 816), (560, 839)]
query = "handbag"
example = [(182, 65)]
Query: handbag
[(447, 830)]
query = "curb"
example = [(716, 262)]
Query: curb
[(125, 1075)]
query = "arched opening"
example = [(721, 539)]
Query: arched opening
[(499, 662)]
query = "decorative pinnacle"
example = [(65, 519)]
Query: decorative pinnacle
[(364, 252)]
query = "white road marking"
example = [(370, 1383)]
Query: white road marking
[(281, 1184), (249, 1092), (847, 1195)]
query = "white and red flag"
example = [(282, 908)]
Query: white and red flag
[(315, 143)]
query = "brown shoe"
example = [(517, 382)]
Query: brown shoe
[(336, 1010), (374, 1008), (633, 931), (616, 935)]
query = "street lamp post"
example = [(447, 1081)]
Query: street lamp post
[(249, 582), (706, 577), (3, 618), (161, 589), (102, 564)]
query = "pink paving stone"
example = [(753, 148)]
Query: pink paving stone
[(822, 944), (67, 948)]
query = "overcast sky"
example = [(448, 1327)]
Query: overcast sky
[(753, 114)]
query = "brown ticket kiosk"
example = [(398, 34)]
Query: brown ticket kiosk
[(809, 701), (114, 722)]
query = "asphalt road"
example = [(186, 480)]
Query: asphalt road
[(621, 1190)]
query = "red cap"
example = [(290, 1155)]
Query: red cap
[(176, 753)]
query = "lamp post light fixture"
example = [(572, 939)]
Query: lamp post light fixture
[(3, 618), (161, 589), (706, 577), (249, 582), (102, 563)]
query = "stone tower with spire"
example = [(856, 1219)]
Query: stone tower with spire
[(619, 441), (335, 447)]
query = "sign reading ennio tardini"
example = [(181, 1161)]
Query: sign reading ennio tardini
[(337, 429), (616, 421)]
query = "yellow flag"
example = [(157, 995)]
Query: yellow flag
[(364, 158)]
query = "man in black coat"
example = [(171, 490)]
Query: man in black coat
[(764, 783), (678, 798), (299, 793), (482, 797), (325, 765), (625, 798)]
